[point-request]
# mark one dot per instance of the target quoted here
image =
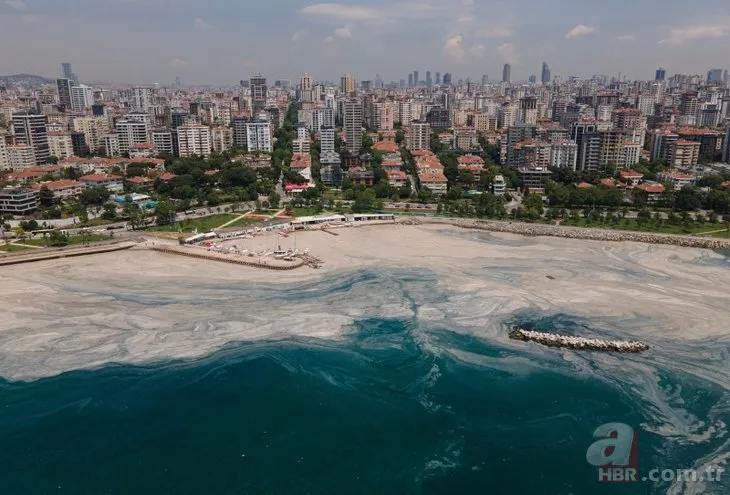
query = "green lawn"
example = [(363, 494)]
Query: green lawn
[(632, 224), (72, 240), (203, 224), (243, 222), (725, 234), (306, 212), (12, 248)]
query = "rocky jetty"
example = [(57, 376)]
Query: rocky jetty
[(595, 234), (577, 343)]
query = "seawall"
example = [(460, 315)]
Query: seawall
[(270, 264), (65, 252)]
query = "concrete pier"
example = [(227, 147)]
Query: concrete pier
[(265, 262)]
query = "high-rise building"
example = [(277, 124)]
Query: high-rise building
[(240, 128), (192, 140), (416, 81), (714, 76), (68, 72), (660, 74), (259, 92), (258, 136), (130, 132), (420, 136), (410, 80), (353, 125), (163, 139), (546, 75), (141, 99), (447, 79), (506, 73), (438, 79), (429, 82), (30, 130), (64, 93), (347, 85), (82, 97), (306, 93), (485, 79), (93, 129)]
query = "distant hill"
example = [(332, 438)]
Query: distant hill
[(24, 79)]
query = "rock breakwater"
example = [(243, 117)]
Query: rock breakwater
[(577, 343), (594, 234)]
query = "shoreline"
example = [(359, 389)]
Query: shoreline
[(582, 233)]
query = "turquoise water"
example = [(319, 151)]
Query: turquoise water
[(377, 412)]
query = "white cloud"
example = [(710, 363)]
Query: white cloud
[(477, 50), (200, 25), (343, 33), (16, 4), (453, 47), (329, 39), (509, 53), (580, 30), (626, 37), (678, 36), (494, 32), (177, 63), (300, 34), (344, 12)]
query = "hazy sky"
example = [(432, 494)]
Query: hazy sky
[(223, 41)]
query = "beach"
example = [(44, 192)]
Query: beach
[(399, 343)]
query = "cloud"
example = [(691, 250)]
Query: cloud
[(200, 25), (453, 47), (177, 63), (580, 30), (343, 12), (494, 32), (329, 39), (477, 50), (678, 36), (626, 37), (343, 33), (509, 53), (300, 34), (16, 4)]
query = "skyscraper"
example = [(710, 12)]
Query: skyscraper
[(429, 82), (259, 92), (714, 76), (485, 79), (506, 73), (64, 93), (353, 125), (82, 97), (347, 84), (410, 80), (438, 79), (68, 72), (30, 129), (416, 81), (546, 76), (660, 74), (447, 79), (306, 89)]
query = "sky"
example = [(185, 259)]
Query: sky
[(222, 41)]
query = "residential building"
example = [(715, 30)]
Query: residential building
[(82, 97), (17, 201), (499, 186), (93, 129), (326, 140), (193, 140), (61, 189), (112, 183), (165, 142), (685, 154), (142, 99), (4, 162), (221, 138), (111, 144), (60, 144), (143, 150), (347, 85), (240, 126), (258, 136), (419, 137), (353, 125), (678, 180), (64, 93), (20, 157), (130, 132), (30, 129), (436, 182), (259, 92), (506, 73)]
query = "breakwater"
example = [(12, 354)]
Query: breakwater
[(235, 259), (65, 252), (530, 229), (577, 343)]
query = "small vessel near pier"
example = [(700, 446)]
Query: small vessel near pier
[(577, 343)]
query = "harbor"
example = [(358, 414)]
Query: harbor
[(577, 343)]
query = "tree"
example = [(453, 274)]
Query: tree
[(57, 239), (110, 211), (274, 200), (45, 197), (534, 203), (165, 213), (135, 215)]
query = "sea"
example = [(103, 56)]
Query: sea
[(395, 402)]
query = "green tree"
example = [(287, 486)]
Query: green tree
[(57, 239), (45, 197), (110, 211), (165, 213)]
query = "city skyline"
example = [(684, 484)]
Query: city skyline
[(221, 42)]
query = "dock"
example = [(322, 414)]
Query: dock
[(254, 261), (577, 343)]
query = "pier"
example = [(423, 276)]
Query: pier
[(64, 252), (253, 261), (577, 343)]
